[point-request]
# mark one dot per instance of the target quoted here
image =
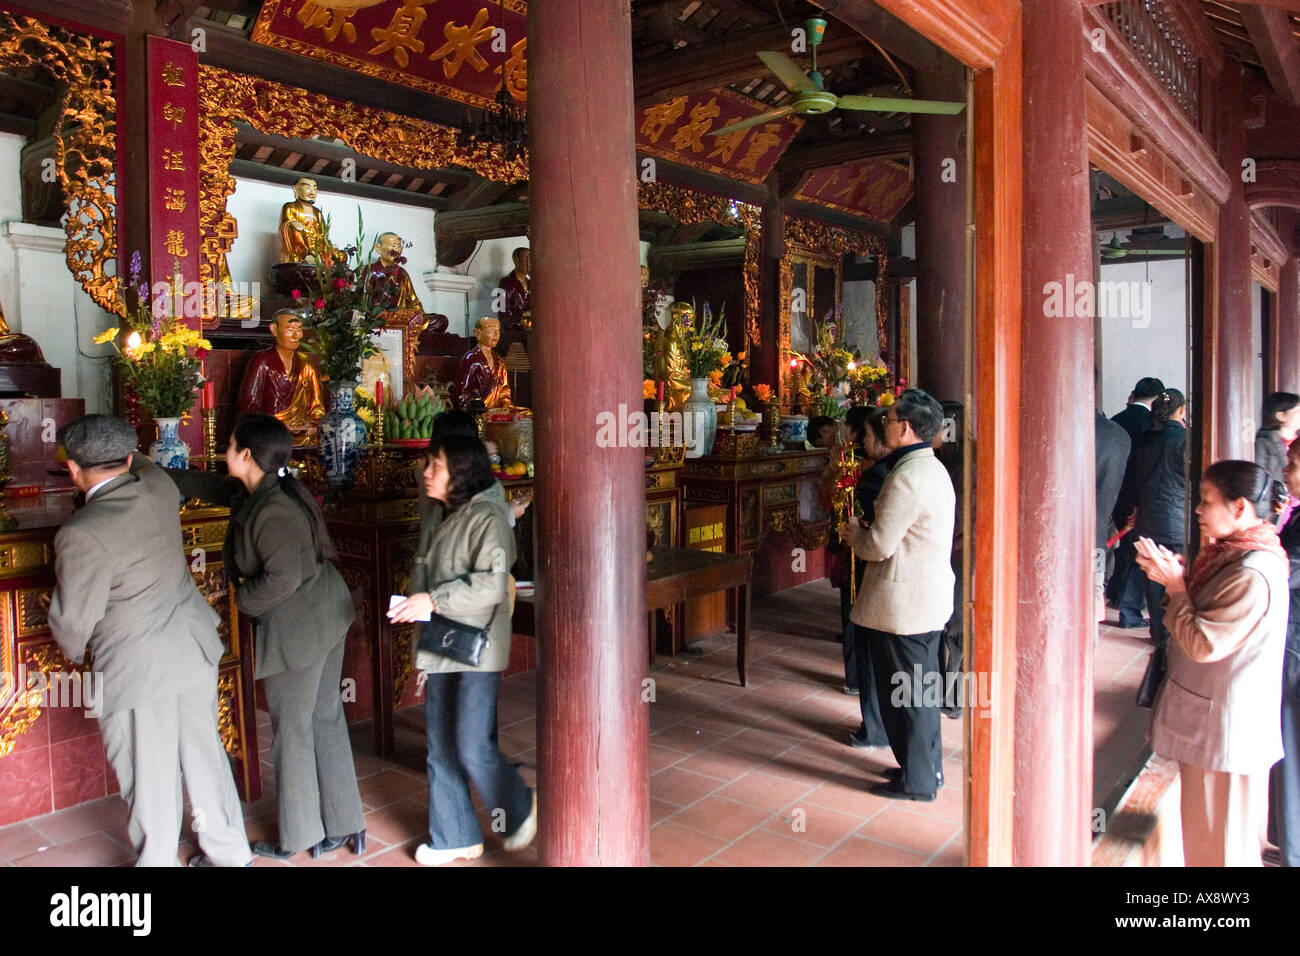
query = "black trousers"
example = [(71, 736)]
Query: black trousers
[(910, 712)]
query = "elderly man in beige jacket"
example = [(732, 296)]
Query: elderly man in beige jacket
[(906, 596)]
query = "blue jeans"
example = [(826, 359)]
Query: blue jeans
[(1155, 593), (460, 712)]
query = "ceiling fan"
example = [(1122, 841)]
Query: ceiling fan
[(811, 97), (1117, 250)]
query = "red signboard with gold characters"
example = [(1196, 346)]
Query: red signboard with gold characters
[(174, 167), (680, 130), (458, 49), (874, 188)]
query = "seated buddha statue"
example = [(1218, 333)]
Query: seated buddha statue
[(302, 227), (16, 348), (387, 281), (482, 373), (283, 382)]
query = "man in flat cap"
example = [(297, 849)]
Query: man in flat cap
[(125, 592)]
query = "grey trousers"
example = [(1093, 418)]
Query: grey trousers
[(150, 748), (314, 772)]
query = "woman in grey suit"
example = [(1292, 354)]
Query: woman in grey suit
[(462, 572), (279, 555)]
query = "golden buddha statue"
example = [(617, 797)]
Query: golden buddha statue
[(671, 365), (386, 278), (302, 227), (16, 348), (283, 382), (482, 371)]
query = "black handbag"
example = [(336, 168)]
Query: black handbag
[(1152, 679), (462, 643)]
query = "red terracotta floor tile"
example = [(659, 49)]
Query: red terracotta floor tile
[(722, 818), (686, 738), (848, 793), (388, 787), (661, 757), (19, 840), (682, 787), (723, 764), (661, 810), (403, 855), (674, 845), (764, 790), (399, 822), (912, 831), (814, 825), (68, 825), (765, 848), (93, 850), (860, 851)]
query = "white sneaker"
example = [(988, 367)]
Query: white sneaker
[(426, 855), (520, 839)]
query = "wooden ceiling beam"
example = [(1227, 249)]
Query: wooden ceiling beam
[(1270, 32), (722, 62), (898, 38), (336, 153), (332, 186), (798, 160), (479, 192)]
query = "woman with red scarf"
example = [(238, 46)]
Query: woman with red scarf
[(1217, 711)]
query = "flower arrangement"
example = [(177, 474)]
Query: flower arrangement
[(161, 358), (869, 382), (831, 362), (345, 310), (763, 393), (706, 345)]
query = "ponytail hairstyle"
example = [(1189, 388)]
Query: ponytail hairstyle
[(1244, 479), (269, 442), (1274, 405), (1165, 406)]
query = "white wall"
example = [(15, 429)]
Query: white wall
[(256, 207), (1130, 349), (41, 298)]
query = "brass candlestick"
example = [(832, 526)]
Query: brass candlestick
[(772, 419), (7, 521)]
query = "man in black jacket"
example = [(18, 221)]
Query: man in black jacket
[(1112, 453), (1125, 590)]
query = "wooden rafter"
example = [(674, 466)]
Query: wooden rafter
[(1279, 53)]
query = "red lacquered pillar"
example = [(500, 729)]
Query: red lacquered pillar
[(1288, 306), (1053, 748), (1236, 418), (592, 726), (939, 148)]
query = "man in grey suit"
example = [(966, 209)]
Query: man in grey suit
[(125, 592)]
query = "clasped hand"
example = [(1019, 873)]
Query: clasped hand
[(1160, 565)]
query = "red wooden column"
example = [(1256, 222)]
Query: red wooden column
[(1236, 418), (1288, 306), (592, 726), (939, 149), (1053, 749)]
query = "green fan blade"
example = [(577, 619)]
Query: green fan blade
[(787, 71), (753, 121), (886, 104)]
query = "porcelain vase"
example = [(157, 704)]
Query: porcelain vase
[(169, 451), (340, 435), (702, 415)]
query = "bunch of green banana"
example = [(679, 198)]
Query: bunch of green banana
[(412, 417)]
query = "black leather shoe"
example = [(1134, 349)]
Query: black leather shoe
[(356, 843), (895, 774), (275, 851), (895, 792), (860, 740)]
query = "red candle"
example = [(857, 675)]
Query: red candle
[(379, 395), (209, 395), (661, 391), (733, 393)]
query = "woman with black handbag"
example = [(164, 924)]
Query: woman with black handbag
[(460, 583), (280, 558)]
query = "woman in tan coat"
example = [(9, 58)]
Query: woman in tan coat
[(462, 572), (1217, 711)]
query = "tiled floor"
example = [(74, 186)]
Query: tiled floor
[(760, 775)]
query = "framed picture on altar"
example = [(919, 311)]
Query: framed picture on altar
[(397, 340)]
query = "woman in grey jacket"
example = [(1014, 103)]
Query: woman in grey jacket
[(462, 572), (1279, 423), (279, 555)]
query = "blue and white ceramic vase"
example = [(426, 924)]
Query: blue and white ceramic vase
[(340, 435), (699, 419), (169, 451)]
